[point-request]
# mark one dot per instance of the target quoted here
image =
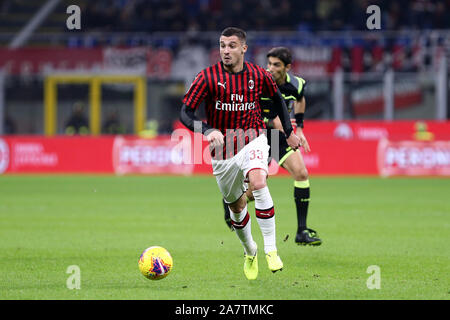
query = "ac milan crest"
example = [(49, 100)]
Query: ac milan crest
[(251, 84)]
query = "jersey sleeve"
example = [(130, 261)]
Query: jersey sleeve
[(301, 88), (269, 85), (197, 92)]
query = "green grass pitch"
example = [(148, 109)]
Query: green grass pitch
[(102, 223)]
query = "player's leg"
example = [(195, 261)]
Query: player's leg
[(226, 209), (241, 222), (263, 207), (249, 192), (255, 168), (265, 216), (294, 164), (230, 180)]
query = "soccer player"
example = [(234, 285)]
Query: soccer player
[(235, 130), (292, 88)]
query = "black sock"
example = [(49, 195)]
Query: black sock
[(301, 196), (226, 212)]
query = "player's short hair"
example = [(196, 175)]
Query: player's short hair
[(233, 31), (282, 53)]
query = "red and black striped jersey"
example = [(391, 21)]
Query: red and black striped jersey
[(232, 103)]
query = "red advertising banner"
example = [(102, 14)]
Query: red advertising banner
[(149, 156), (334, 156), (414, 158), (376, 130), (56, 155), (337, 148)]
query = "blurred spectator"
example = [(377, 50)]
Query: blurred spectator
[(112, 124), (421, 132), (151, 130), (78, 122), (191, 58), (9, 126), (441, 19), (5, 6)]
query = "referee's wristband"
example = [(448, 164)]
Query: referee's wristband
[(299, 119)]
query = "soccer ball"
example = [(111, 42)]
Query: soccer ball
[(155, 263)]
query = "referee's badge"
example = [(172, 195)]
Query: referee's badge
[(251, 84)]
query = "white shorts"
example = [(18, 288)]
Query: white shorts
[(232, 173)]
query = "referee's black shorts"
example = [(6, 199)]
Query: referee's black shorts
[(284, 151)]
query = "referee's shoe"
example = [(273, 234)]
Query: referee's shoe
[(308, 237)]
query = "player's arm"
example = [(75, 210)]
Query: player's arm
[(300, 103), (193, 123), (299, 107), (277, 123), (299, 111), (196, 94), (281, 109)]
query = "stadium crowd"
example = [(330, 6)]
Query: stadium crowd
[(260, 15), (257, 15)]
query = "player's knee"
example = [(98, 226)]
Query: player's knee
[(239, 205), (301, 174), (259, 184)]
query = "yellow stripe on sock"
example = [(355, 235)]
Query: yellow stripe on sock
[(301, 184)]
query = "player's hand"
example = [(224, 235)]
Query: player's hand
[(293, 141), (304, 143), (215, 138)]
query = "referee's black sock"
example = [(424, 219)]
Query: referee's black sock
[(227, 216), (301, 196)]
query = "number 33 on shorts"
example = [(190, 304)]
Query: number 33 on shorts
[(256, 154)]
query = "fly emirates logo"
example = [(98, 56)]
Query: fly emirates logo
[(237, 104)]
